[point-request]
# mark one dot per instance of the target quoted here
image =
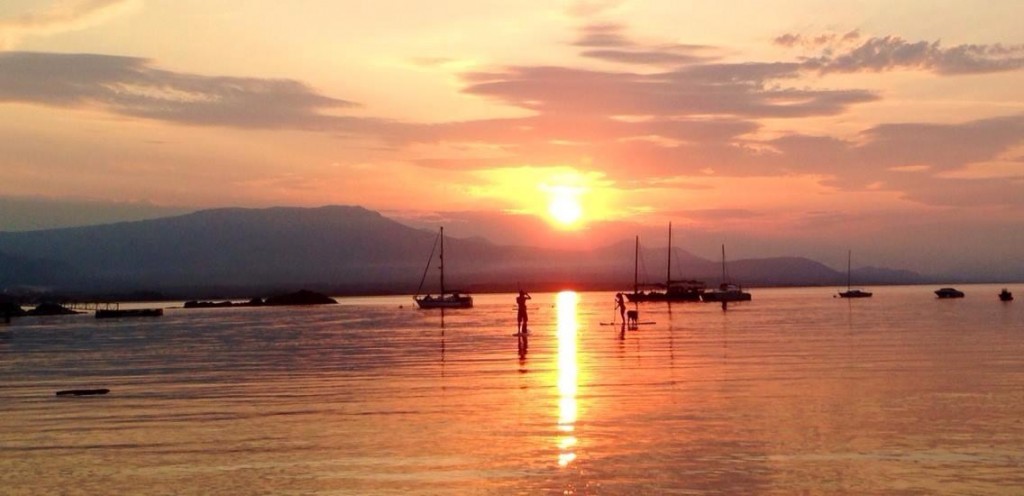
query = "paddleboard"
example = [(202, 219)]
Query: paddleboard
[(83, 392), (520, 333), (620, 323)]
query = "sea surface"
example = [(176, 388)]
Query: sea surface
[(795, 392)]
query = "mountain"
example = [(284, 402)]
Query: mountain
[(34, 271), (344, 249)]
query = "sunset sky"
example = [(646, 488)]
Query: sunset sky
[(895, 129)]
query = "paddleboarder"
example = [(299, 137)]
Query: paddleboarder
[(522, 318), (620, 305)]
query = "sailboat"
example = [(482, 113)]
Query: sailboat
[(852, 293), (727, 291), (446, 299), (679, 290)]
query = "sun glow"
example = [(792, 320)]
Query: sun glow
[(564, 206), (566, 198)]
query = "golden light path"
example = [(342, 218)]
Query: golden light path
[(567, 375)]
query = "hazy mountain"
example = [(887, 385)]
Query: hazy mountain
[(344, 249), (34, 271)]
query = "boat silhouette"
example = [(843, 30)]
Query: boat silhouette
[(445, 298), (671, 290), (852, 293)]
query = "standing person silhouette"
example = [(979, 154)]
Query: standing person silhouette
[(522, 318), (620, 305)]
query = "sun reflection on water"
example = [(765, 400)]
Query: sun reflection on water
[(567, 375)]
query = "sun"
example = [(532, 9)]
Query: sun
[(564, 206)]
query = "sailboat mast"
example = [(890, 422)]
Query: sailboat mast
[(636, 262), (442, 262), (668, 270), (723, 263), (849, 254)]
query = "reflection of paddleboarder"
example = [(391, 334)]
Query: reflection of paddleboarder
[(620, 305), (522, 318)]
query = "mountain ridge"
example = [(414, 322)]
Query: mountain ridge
[(349, 250)]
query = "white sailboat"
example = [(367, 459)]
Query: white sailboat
[(446, 298)]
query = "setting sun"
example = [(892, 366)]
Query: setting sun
[(564, 207)]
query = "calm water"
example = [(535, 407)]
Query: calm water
[(793, 393)]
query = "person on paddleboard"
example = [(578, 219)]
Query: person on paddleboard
[(620, 305), (522, 318)]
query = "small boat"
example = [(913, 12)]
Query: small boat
[(445, 299), (671, 290), (726, 292), (949, 293), (852, 293), (1005, 295), (135, 312)]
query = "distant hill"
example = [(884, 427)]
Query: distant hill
[(31, 271), (343, 249)]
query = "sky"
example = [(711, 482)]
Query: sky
[(803, 128)]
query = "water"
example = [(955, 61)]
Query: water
[(795, 392)]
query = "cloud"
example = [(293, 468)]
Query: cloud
[(608, 42), (788, 39), (910, 158), (60, 16), (697, 119), (644, 57), (603, 36), (968, 192), (134, 87), (894, 53), (695, 86), (583, 129), (791, 40), (943, 146), (713, 89)]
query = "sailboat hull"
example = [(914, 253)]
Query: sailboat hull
[(640, 297), (855, 293), (446, 301), (727, 296)]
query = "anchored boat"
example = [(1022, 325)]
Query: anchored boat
[(672, 290), (726, 292), (949, 293), (446, 298), (852, 293)]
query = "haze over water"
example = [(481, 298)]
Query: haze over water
[(795, 392)]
